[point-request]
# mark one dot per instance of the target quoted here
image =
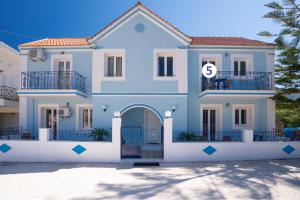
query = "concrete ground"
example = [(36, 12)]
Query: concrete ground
[(271, 179)]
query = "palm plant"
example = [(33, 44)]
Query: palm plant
[(99, 134), (188, 137)]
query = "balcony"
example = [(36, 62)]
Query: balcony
[(229, 82), (8, 93), (52, 80)]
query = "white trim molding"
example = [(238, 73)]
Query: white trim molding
[(271, 110), (64, 57), (180, 67), (250, 114), (246, 57), (50, 92), (40, 106), (219, 115), (78, 107)]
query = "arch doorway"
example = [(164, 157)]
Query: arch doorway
[(141, 133)]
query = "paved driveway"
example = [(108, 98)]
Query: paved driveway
[(272, 179)]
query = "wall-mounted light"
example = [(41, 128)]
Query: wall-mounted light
[(62, 52), (168, 114), (174, 108), (117, 114), (68, 104), (226, 54), (227, 104), (104, 108)]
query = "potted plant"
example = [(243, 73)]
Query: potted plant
[(187, 136), (99, 134)]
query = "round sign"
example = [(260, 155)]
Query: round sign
[(209, 70)]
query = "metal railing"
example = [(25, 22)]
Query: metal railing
[(8, 93), (52, 80), (132, 135), (217, 136), (75, 135), (17, 133), (276, 135), (229, 80)]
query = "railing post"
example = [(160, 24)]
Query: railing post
[(116, 134), (247, 136), (44, 134), (168, 136)]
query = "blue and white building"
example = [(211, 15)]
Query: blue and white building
[(142, 66)]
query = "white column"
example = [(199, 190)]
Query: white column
[(116, 136), (44, 134), (270, 115), (23, 112), (247, 136), (168, 137)]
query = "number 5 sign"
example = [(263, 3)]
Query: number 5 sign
[(209, 70)]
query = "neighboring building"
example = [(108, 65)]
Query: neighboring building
[(9, 83), (142, 66)]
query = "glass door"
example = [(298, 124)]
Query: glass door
[(209, 124), (64, 76), (51, 121)]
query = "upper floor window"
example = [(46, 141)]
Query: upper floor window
[(114, 66), (61, 62), (165, 66), (240, 67)]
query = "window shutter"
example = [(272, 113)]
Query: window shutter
[(236, 116), (169, 66), (118, 66), (236, 68), (243, 68), (243, 116), (110, 66), (161, 66)]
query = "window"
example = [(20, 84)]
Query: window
[(242, 116), (113, 66), (240, 67), (87, 118), (165, 66)]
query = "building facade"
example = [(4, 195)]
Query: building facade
[(142, 66), (9, 83)]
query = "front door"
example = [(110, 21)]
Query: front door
[(152, 128), (209, 123), (51, 121)]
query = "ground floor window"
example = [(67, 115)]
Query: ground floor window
[(242, 116), (84, 116)]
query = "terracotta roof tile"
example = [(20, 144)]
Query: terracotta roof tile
[(228, 41), (58, 42)]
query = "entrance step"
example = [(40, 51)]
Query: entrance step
[(146, 164)]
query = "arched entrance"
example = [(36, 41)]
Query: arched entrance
[(141, 132)]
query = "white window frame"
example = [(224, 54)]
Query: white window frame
[(219, 115), (115, 53), (47, 106), (250, 109), (164, 53), (248, 58), (78, 108), (61, 57)]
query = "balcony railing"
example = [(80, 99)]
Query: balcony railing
[(229, 80), (9, 93), (52, 80)]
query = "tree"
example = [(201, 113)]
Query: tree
[(287, 68)]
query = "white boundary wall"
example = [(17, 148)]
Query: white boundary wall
[(225, 151), (45, 150)]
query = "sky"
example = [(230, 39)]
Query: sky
[(27, 20)]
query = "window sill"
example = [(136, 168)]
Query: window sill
[(165, 78), (113, 78)]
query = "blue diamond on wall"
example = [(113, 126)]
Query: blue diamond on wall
[(79, 149), (4, 148), (288, 149), (209, 150)]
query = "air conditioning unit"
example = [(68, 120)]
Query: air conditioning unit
[(37, 55), (64, 112)]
